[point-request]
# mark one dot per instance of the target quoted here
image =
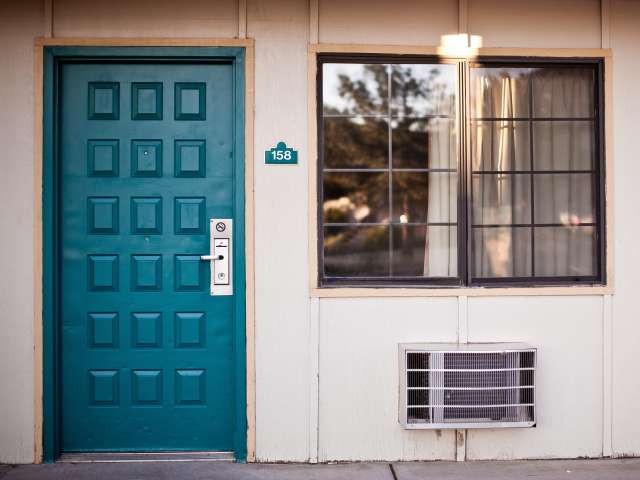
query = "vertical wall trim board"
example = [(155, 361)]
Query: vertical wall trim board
[(605, 23), (242, 18), (314, 378), (48, 18), (314, 303), (463, 319), (314, 21), (609, 207), (312, 152), (607, 376), (250, 249), (461, 445), (463, 337), (463, 17)]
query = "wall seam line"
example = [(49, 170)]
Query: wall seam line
[(48, 18), (314, 303), (463, 337), (463, 19), (607, 374), (605, 23), (314, 384), (242, 18), (314, 21)]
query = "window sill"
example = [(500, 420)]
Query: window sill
[(360, 292)]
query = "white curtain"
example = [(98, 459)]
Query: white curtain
[(559, 198), (441, 242), (564, 198)]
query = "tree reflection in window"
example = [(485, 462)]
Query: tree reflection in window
[(389, 177), (390, 145)]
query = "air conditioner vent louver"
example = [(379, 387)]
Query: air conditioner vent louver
[(467, 386)]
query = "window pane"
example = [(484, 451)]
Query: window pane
[(561, 145), (356, 251), (565, 251), (423, 90), (500, 92), (356, 142), (377, 116), (564, 198), (500, 145), (502, 252), (563, 92), (425, 251), (356, 197), (425, 197), (424, 143), (355, 89), (501, 199), (566, 142), (532, 138)]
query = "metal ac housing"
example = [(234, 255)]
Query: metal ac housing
[(475, 385)]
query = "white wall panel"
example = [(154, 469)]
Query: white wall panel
[(19, 23), (282, 297), (359, 376), (625, 37), (543, 23), (145, 18), (357, 337), (568, 334), (408, 22)]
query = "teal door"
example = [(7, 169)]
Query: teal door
[(147, 155)]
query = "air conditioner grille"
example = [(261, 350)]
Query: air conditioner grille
[(466, 386)]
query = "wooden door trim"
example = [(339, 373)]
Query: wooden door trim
[(46, 53)]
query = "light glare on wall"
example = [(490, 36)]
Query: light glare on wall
[(459, 43)]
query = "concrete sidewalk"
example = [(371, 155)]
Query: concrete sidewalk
[(628, 469)]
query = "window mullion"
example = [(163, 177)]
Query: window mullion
[(465, 251), (532, 185), (390, 157)]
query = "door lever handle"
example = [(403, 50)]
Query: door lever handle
[(210, 258)]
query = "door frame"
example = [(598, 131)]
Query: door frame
[(50, 53)]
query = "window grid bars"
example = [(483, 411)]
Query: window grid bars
[(389, 115), (532, 172), (465, 174), (530, 119), (390, 170), (385, 170)]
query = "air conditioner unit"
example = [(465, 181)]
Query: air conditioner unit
[(474, 385)]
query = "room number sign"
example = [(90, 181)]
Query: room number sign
[(281, 155)]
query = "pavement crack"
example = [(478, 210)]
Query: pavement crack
[(393, 471)]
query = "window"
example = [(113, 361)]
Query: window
[(422, 185)]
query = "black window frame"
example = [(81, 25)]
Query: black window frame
[(464, 201)]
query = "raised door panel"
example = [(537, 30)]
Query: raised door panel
[(146, 157)]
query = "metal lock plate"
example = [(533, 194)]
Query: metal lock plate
[(221, 256)]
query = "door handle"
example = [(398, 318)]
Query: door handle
[(211, 258), (220, 256)]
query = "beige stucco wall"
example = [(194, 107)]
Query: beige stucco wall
[(590, 409), (282, 303), (625, 37), (145, 18), (18, 26)]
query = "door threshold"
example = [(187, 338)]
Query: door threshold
[(115, 457)]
